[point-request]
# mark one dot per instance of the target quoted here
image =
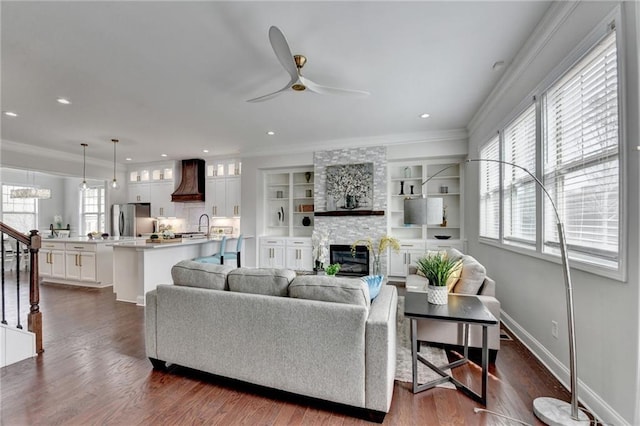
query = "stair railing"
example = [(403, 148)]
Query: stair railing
[(32, 243)]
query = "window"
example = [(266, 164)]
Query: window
[(93, 206), (519, 187), (581, 162), (19, 213), (573, 147), (490, 191)]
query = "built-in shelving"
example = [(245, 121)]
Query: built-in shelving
[(289, 203)]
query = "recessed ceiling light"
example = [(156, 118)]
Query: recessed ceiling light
[(128, 158), (10, 114), (64, 101), (271, 133), (205, 150), (425, 115), (163, 155)]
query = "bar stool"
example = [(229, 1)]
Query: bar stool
[(234, 255), (217, 258)]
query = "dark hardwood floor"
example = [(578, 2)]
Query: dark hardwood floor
[(94, 371)]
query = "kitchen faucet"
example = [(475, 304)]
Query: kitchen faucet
[(200, 223)]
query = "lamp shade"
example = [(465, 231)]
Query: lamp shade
[(423, 211)]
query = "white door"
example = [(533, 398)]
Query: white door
[(232, 196), (72, 265), (57, 263), (44, 263)]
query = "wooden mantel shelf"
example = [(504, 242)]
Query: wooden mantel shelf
[(351, 213)]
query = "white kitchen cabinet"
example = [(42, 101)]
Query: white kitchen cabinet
[(272, 253), (51, 260), (77, 263), (299, 254), (80, 262), (138, 193), (232, 196), (160, 199), (215, 200)]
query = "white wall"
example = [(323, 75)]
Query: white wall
[(531, 290), (65, 173)]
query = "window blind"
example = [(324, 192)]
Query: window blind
[(490, 190), (581, 155), (519, 188)]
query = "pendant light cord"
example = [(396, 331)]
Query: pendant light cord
[(115, 141), (84, 162)]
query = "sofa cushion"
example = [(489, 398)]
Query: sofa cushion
[(471, 277), (268, 281), (352, 291), (454, 254), (203, 275), (374, 282)]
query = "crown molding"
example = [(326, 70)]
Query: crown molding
[(555, 16), (383, 140), (40, 152)]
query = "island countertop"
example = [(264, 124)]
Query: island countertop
[(139, 266), (111, 240), (142, 244)]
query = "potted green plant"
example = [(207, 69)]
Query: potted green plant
[(332, 269), (437, 268)]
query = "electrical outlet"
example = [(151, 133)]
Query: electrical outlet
[(554, 329)]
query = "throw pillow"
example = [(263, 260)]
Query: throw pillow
[(352, 291), (455, 276), (419, 272), (471, 277), (203, 275), (375, 283), (271, 282)]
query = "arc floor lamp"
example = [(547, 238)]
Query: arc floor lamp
[(552, 411)]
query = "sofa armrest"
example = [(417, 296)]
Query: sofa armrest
[(488, 287), (380, 349), (150, 323)]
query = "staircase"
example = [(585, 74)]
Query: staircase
[(19, 251)]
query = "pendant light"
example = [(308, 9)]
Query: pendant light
[(83, 185), (114, 183)]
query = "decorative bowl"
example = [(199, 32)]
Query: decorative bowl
[(442, 237)]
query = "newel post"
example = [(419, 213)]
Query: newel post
[(35, 316)]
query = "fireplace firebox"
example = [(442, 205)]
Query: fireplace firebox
[(350, 265)]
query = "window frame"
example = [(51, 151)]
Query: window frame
[(611, 22), (35, 211), (101, 214)]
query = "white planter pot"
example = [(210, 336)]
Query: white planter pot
[(438, 295)]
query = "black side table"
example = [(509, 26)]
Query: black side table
[(464, 309)]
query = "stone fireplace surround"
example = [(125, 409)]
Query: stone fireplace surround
[(348, 229)]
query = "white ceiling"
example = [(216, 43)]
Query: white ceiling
[(173, 77)]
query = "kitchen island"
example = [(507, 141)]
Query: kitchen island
[(78, 261), (139, 266)]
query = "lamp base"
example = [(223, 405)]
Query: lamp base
[(555, 412)]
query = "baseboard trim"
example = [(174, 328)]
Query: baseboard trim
[(587, 396)]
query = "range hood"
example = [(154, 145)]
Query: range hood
[(191, 187)]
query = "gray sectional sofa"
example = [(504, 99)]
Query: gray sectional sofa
[(310, 335)]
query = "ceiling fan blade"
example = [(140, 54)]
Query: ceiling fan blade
[(274, 94), (326, 90), (282, 51)]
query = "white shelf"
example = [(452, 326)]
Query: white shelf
[(303, 184), (440, 194), (278, 185), (278, 199), (439, 177), (304, 198), (398, 179)]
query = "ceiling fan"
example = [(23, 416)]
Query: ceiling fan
[(293, 65)]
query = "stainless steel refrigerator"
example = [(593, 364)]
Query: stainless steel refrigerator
[(131, 220)]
